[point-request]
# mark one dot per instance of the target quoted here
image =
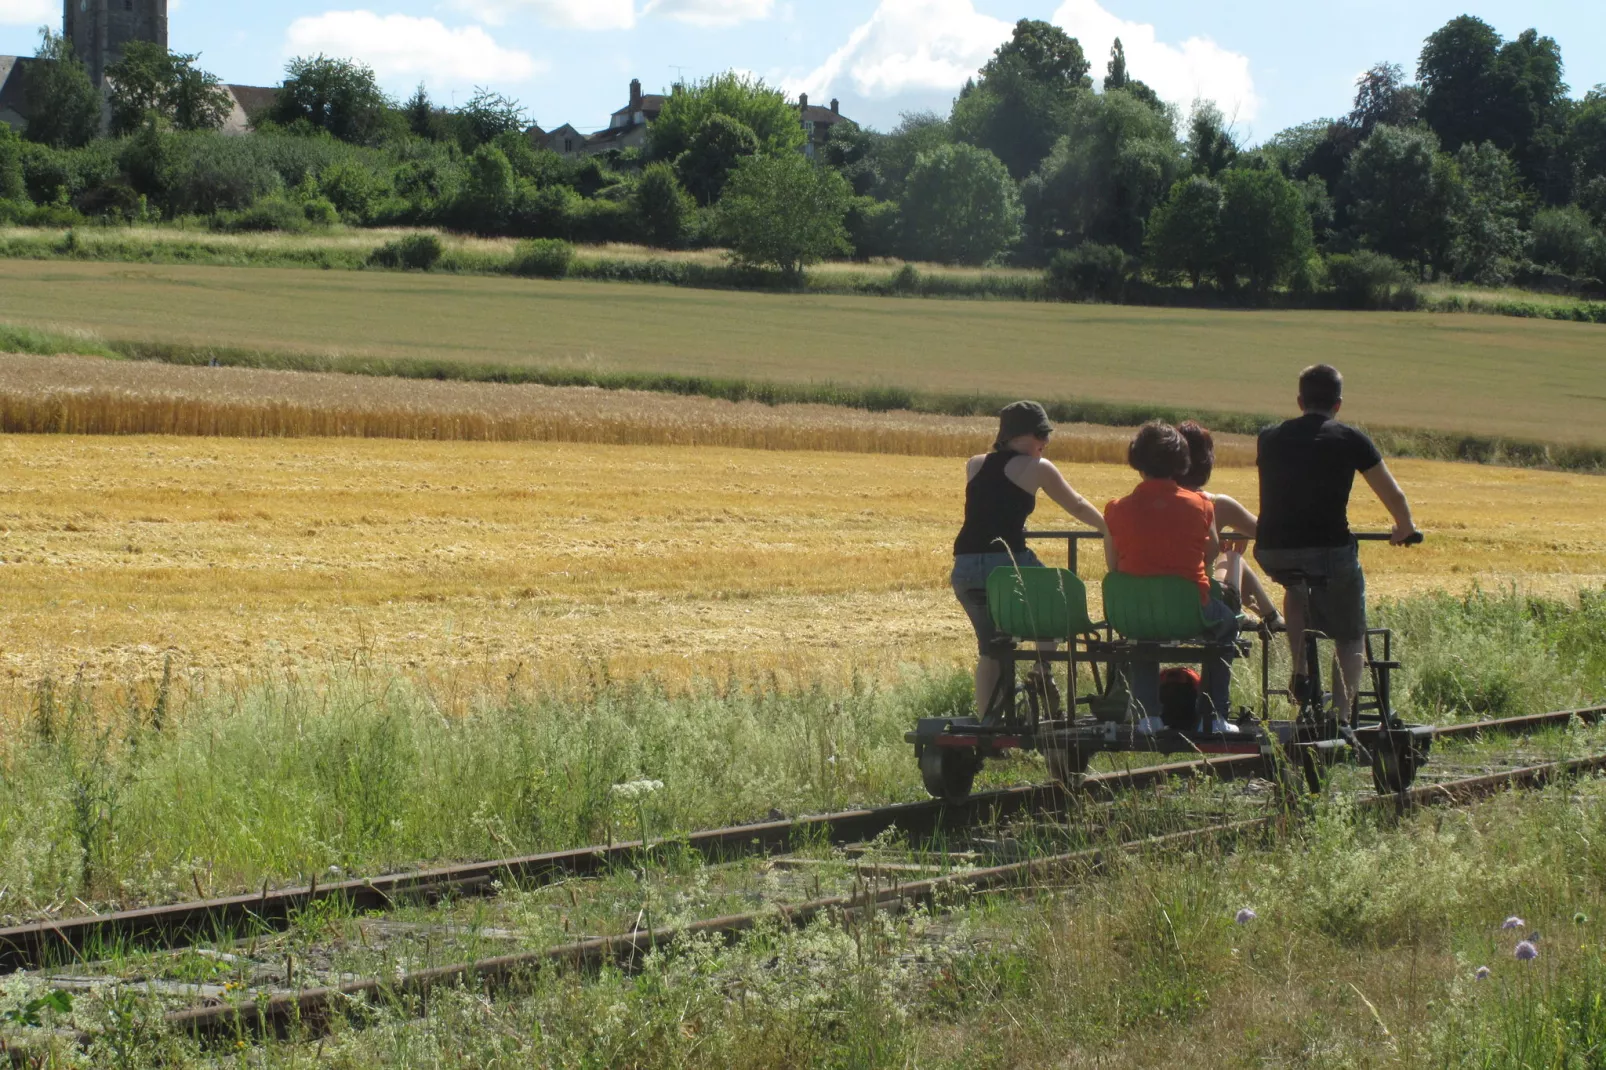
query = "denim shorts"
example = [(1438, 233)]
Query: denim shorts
[(1338, 609), (970, 587)]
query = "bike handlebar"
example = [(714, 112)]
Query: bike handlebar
[(1416, 538)]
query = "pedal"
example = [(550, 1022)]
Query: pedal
[(1383, 664)]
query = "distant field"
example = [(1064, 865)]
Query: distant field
[(464, 563), (1470, 374)]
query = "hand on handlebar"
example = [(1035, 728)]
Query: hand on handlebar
[(1404, 535)]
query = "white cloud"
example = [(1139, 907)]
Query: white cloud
[(403, 46), (1198, 68), (566, 14), (710, 12), (909, 46), (30, 13)]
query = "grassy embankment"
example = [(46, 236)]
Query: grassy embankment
[(351, 250), (149, 797), (1447, 386)]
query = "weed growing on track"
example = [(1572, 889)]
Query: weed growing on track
[(1364, 952)]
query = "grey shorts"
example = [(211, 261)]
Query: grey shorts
[(969, 580), (1338, 609)]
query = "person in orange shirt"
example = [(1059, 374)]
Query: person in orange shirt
[(1161, 529)]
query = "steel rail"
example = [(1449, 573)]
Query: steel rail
[(29, 947), (32, 946), (310, 1010)]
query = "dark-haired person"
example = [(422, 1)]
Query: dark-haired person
[(1307, 470), (1231, 516), (1000, 494), (1163, 529)]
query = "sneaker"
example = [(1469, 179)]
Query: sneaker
[(1223, 728), (1151, 726)]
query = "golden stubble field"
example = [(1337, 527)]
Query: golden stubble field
[(468, 563)]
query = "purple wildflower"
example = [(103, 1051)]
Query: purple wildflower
[(1245, 916), (1527, 952), (1482, 973), (1513, 923)]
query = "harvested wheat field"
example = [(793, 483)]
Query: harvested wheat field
[(469, 562)]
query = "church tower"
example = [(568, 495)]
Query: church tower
[(98, 29)]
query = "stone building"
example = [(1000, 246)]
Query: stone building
[(98, 29)]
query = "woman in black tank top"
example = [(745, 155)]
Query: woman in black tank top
[(1000, 494)]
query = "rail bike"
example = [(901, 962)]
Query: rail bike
[(1043, 624)]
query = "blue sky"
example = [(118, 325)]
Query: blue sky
[(1268, 63)]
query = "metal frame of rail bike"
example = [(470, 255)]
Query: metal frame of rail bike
[(1297, 752)]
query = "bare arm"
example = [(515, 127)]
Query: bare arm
[(1063, 495), (1388, 491), (1232, 516)]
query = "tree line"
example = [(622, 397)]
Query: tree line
[(1479, 168)]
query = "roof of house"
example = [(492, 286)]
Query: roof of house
[(13, 94), (613, 133), (651, 103), (254, 98), (816, 114)]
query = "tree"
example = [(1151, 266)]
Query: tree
[(1488, 238), (1265, 234), (894, 155), (1211, 149), (490, 191), (1383, 98), (149, 80), (420, 113), (718, 146), (486, 117), (1105, 177), (12, 186), (338, 95), (1020, 105), (1182, 233), (64, 107), (1458, 75), (662, 207), (1403, 190), (1117, 77), (1586, 137), (1479, 88), (960, 207), (784, 211), (850, 149), (762, 109)]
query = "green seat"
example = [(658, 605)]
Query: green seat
[(1038, 603), (1155, 609)]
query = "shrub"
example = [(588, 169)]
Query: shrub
[(542, 258), (873, 228), (662, 208), (270, 213), (1566, 240), (1090, 270), (415, 252), (1368, 280), (320, 212)]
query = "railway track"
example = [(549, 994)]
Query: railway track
[(32, 946), (29, 947)]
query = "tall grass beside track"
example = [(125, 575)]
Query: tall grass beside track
[(1364, 951), (113, 796)]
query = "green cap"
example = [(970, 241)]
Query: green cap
[(1022, 418)]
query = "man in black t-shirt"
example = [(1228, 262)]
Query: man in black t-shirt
[(1307, 470)]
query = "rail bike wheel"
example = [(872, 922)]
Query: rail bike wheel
[(948, 772), (1067, 766), (1394, 767)]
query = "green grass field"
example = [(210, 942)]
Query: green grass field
[(1470, 374)]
